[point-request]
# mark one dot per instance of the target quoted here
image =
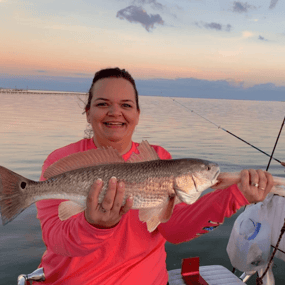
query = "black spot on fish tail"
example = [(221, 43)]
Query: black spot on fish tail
[(12, 198)]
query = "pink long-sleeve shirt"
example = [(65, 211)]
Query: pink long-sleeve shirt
[(78, 253)]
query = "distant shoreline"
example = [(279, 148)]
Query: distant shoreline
[(42, 92), (50, 92)]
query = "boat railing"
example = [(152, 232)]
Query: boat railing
[(37, 275), (245, 276)]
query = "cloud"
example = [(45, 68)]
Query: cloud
[(154, 4), (214, 26), (219, 89), (240, 7), (273, 4), (262, 38), (137, 14)]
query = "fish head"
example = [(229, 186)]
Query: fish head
[(195, 176)]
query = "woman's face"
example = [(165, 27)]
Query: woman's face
[(113, 112)]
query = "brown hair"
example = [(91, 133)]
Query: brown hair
[(112, 72)]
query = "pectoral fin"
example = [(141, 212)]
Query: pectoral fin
[(68, 209), (154, 216)]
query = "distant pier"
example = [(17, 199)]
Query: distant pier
[(39, 92)]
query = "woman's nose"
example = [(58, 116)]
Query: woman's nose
[(114, 110)]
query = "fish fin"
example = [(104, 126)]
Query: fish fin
[(154, 216), (167, 211), (68, 209), (146, 153), (152, 224), (12, 198), (84, 159), (177, 201)]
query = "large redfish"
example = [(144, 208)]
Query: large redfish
[(155, 185)]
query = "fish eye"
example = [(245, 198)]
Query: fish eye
[(23, 185), (209, 168)]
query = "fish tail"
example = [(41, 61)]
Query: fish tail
[(12, 197)]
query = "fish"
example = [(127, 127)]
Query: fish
[(226, 179), (155, 185)]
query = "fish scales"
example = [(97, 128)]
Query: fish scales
[(154, 184), (149, 182)]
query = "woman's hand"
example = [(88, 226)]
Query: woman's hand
[(110, 211), (255, 184)]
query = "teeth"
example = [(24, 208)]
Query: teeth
[(114, 124)]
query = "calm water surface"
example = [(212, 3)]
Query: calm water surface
[(32, 126)]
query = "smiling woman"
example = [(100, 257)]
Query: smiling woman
[(113, 109)]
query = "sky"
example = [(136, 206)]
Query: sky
[(60, 44)]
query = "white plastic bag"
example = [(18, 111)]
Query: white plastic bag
[(249, 244)]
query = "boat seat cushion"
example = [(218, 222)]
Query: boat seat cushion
[(212, 274)]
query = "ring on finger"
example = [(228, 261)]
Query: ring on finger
[(254, 184)]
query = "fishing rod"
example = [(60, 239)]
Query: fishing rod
[(275, 145), (219, 127)]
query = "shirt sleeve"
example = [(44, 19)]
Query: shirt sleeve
[(190, 221), (72, 237)]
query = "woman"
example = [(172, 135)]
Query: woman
[(107, 244)]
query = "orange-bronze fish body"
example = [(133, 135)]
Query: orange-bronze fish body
[(155, 185)]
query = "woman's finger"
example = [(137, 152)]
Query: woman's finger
[(262, 180), (254, 178), (249, 185), (269, 183), (108, 200), (119, 197), (127, 206), (92, 199)]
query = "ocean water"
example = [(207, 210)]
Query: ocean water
[(33, 125)]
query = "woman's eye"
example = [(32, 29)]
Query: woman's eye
[(125, 105), (102, 104)]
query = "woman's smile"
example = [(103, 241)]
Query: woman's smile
[(114, 124)]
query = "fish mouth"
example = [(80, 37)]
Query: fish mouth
[(215, 181)]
